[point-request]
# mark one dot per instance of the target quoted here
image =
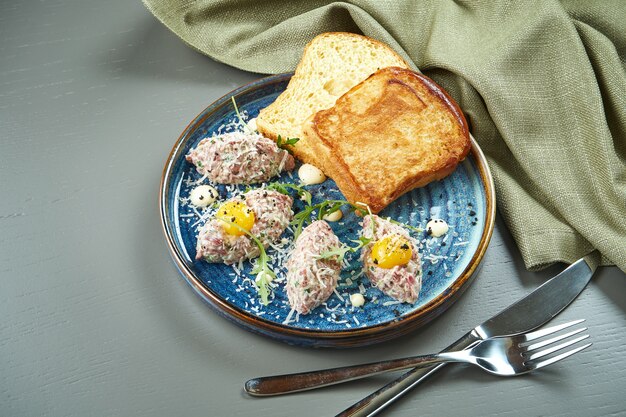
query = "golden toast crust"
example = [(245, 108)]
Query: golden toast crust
[(393, 132)]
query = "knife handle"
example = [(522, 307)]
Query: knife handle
[(377, 401)]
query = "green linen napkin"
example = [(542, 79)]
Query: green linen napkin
[(543, 85)]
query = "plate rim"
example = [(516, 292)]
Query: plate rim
[(326, 338)]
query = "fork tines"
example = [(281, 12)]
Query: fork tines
[(534, 351)]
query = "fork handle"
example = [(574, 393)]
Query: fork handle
[(379, 400), (283, 384)]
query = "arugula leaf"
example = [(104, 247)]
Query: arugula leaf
[(300, 218), (324, 208), (284, 187), (341, 251), (330, 208), (262, 270), (263, 276)]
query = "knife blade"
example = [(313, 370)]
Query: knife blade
[(530, 312)]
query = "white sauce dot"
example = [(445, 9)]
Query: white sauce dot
[(203, 195), (310, 175), (252, 124), (335, 216), (437, 227), (357, 299)]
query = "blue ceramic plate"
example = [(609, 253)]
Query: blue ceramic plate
[(465, 199)]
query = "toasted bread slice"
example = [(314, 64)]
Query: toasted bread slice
[(393, 132), (331, 64)]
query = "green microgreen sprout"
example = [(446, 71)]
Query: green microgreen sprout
[(283, 143), (262, 271), (241, 121)]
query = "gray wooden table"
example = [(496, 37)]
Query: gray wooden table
[(95, 320)]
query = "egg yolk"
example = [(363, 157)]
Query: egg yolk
[(391, 251), (237, 216)]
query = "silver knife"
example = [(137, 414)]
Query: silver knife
[(532, 311)]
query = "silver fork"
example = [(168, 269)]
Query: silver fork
[(505, 356)]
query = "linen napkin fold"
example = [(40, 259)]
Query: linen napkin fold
[(542, 83)]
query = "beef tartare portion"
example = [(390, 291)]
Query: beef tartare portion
[(240, 158), (310, 278), (391, 260), (262, 213)]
